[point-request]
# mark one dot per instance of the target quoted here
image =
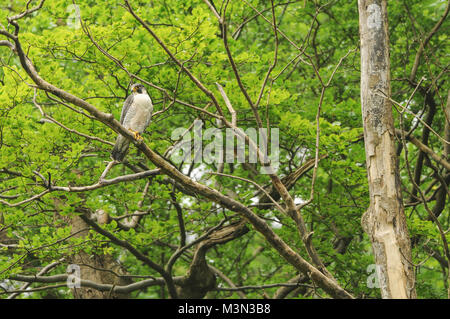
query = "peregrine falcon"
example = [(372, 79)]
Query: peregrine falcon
[(136, 116)]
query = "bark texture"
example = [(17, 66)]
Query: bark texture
[(201, 278), (384, 221), (101, 269)]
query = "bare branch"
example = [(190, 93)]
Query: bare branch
[(213, 9), (440, 160), (264, 286), (404, 109), (228, 281), (51, 119), (254, 183), (427, 39), (235, 70), (40, 273), (275, 56), (12, 20), (99, 184), (90, 284), (228, 104), (26, 200)]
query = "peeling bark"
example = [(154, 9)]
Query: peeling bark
[(384, 221)]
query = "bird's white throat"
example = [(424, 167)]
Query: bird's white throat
[(143, 100)]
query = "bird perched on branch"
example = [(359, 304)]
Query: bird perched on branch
[(136, 116)]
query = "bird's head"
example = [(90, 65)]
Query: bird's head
[(138, 88)]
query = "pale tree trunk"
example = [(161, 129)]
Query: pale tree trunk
[(384, 221)]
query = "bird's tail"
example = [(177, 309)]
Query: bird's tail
[(120, 148)]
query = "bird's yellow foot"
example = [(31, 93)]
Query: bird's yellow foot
[(136, 135)]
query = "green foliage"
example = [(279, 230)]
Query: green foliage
[(64, 56)]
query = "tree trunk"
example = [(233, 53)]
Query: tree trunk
[(384, 221), (97, 268)]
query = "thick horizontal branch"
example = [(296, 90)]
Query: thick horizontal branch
[(99, 184), (40, 273), (107, 182), (91, 284), (264, 286), (25, 200)]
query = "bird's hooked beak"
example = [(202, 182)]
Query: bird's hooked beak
[(138, 89)]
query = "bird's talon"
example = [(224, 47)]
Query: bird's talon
[(136, 135)]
